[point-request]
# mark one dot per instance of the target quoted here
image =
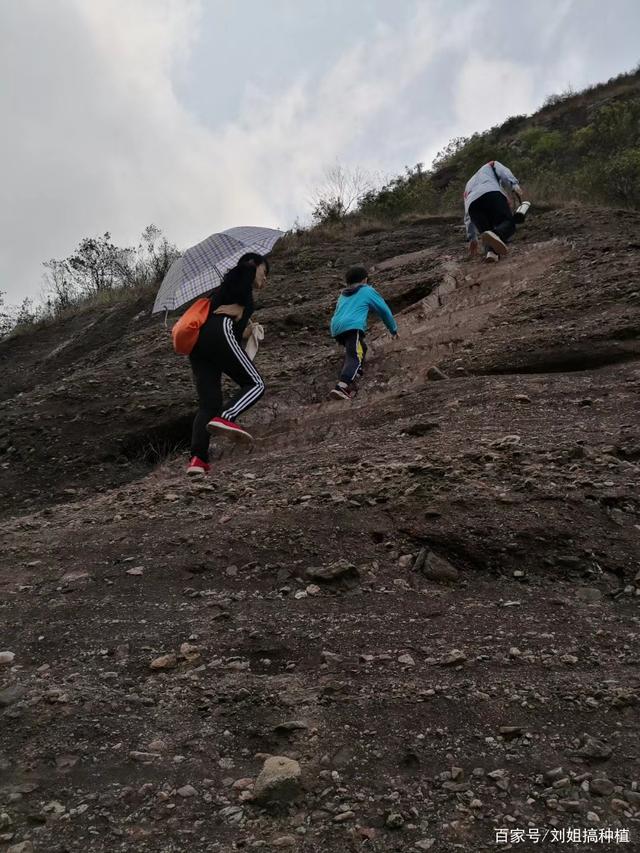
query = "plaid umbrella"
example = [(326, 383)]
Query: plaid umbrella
[(202, 267)]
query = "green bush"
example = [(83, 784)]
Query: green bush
[(551, 144), (412, 192), (583, 140), (617, 126), (623, 176)]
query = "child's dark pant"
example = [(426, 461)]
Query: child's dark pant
[(355, 351)]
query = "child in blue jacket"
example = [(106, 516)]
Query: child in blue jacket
[(349, 324)]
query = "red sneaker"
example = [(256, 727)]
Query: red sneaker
[(197, 467), (230, 428), (342, 391)]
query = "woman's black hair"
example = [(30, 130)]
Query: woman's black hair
[(244, 271), (254, 259)]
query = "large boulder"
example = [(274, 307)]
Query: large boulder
[(279, 780), (438, 569), (332, 572)]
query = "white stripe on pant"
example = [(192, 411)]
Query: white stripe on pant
[(258, 389)]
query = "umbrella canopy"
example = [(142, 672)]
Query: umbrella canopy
[(202, 267)]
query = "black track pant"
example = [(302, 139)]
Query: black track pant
[(218, 352), (491, 212), (355, 350)]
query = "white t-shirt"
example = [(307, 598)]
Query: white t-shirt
[(485, 181)]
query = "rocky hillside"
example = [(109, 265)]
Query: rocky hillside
[(424, 603)]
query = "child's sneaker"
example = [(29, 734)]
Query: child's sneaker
[(491, 257), (198, 468), (492, 241), (342, 392), (230, 428)]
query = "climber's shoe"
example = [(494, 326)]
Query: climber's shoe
[(492, 241)]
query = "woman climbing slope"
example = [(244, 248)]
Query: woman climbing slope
[(488, 214), (219, 351)]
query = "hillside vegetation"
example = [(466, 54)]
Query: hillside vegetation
[(578, 147)]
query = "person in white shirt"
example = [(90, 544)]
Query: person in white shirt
[(488, 213)]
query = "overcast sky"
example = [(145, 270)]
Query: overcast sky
[(199, 115)]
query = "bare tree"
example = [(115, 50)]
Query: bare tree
[(160, 253), (6, 321), (98, 264), (342, 190), (26, 314), (60, 288)]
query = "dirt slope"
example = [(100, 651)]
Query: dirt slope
[(428, 703)]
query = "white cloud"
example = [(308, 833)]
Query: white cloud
[(95, 136), (100, 140), (489, 90), (308, 126)]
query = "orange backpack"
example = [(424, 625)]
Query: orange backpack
[(186, 330)]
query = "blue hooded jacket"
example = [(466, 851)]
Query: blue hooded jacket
[(354, 304)]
